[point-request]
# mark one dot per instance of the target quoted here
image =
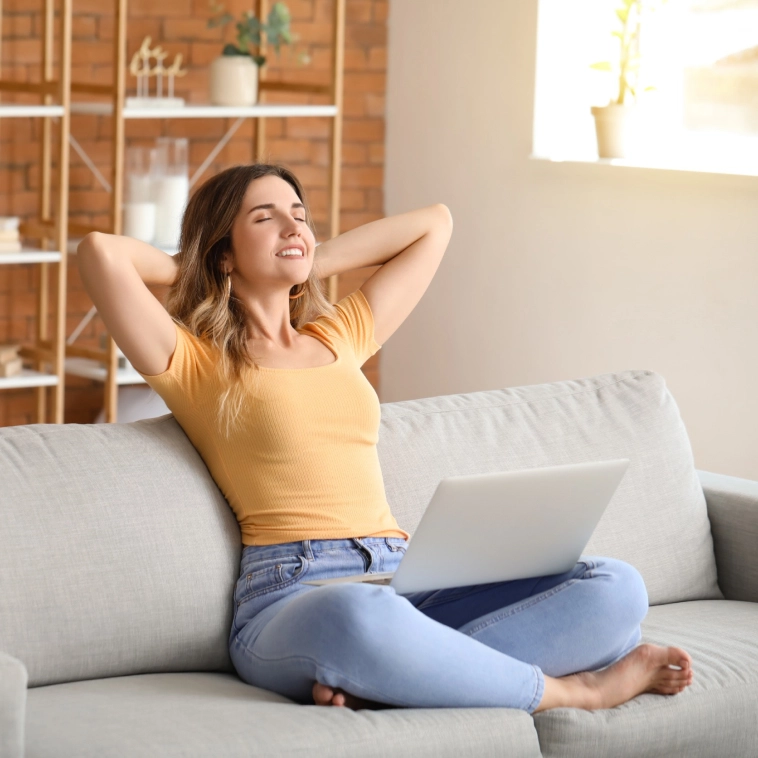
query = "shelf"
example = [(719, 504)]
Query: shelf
[(28, 378), (11, 110), (91, 369), (30, 254), (208, 111)]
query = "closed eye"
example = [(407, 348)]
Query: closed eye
[(268, 219)]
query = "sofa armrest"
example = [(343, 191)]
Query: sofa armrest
[(13, 680), (733, 513)]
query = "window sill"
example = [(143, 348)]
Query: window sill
[(721, 170)]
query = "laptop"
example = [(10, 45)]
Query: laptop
[(497, 527)]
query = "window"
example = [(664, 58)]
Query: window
[(701, 57)]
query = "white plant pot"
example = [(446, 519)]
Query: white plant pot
[(612, 125), (234, 80)]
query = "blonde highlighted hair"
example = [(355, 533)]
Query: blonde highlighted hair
[(197, 300)]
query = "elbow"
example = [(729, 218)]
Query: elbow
[(444, 212), (90, 241)]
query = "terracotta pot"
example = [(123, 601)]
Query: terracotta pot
[(612, 127), (234, 80)]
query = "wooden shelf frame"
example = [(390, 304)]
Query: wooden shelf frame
[(109, 372), (54, 103)]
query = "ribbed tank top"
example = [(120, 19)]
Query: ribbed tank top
[(303, 463)]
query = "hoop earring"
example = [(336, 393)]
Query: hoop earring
[(299, 294)]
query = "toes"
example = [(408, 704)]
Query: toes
[(679, 657)]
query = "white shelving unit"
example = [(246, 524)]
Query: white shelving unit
[(46, 354)]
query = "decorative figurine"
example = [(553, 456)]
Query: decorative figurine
[(140, 68)]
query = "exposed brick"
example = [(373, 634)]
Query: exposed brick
[(351, 220), (174, 8), (354, 105), (191, 29), (358, 11), (368, 81), (377, 59), (376, 153), (381, 11), (17, 26), (295, 151), (308, 127), (363, 130), (83, 27), (365, 35), (355, 59), (92, 53)]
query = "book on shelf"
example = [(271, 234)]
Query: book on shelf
[(10, 246), (9, 223), (9, 352), (11, 368)]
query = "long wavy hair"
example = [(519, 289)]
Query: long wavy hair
[(197, 300)]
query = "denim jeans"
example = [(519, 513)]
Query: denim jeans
[(483, 645)]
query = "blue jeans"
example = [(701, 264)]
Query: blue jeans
[(485, 645)]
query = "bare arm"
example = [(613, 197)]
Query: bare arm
[(153, 266), (375, 243), (116, 271)]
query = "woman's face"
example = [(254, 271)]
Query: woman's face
[(259, 234)]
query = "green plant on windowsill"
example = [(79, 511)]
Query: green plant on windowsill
[(611, 121)]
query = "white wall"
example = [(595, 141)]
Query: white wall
[(557, 271)]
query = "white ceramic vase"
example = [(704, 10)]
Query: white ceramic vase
[(234, 80), (612, 125)]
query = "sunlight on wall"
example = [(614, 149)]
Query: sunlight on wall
[(675, 42)]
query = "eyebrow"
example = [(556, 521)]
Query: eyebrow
[(271, 205)]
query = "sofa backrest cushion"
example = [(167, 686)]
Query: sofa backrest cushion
[(118, 553), (657, 518)]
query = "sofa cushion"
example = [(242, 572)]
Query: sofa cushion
[(118, 553), (204, 715), (714, 716), (656, 520)]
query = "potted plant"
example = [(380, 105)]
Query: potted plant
[(234, 74), (612, 120)]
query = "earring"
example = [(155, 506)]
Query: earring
[(228, 286), (299, 294)]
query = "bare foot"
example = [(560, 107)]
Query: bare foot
[(645, 669), (323, 695)]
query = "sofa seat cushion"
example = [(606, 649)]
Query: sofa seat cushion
[(216, 714), (715, 715)]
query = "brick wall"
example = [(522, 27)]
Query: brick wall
[(302, 144)]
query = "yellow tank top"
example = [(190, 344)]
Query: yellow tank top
[(303, 463)]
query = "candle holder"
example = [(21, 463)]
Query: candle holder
[(170, 189), (140, 68), (139, 206)]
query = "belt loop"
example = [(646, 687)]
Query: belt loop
[(307, 551)]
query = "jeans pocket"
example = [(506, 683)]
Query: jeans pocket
[(270, 575)]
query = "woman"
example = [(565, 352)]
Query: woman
[(263, 374)]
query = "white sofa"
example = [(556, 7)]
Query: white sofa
[(119, 555)]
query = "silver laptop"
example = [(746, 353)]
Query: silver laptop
[(496, 527)]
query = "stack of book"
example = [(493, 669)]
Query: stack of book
[(10, 360), (10, 242)]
